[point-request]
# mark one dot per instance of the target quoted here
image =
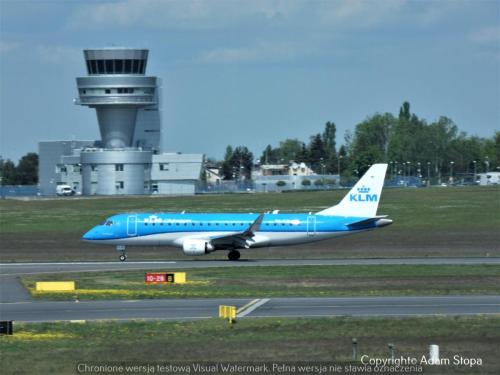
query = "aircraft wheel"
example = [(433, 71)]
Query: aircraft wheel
[(123, 257), (234, 255)]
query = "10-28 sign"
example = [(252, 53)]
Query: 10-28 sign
[(150, 278)]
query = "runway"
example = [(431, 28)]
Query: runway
[(187, 309), (18, 269)]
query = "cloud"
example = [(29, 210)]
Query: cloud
[(165, 14), (486, 35), (8, 46), (358, 13), (263, 51), (59, 54)]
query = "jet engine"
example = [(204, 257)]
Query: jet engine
[(196, 247)]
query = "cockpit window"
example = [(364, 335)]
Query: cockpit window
[(108, 223)]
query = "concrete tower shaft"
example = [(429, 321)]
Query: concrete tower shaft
[(116, 87)]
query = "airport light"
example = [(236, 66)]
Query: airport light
[(391, 350), (475, 170), (428, 173), (354, 348)]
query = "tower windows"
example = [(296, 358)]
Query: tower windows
[(100, 67), (109, 66), (119, 167), (118, 66), (128, 67)]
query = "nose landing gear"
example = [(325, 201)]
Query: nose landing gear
[(234, 255), (123, 255)]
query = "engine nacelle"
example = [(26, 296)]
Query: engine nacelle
[(196, 247)]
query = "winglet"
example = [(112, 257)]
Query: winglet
[(254, 227), (363, 199)]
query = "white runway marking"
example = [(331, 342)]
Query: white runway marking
[(81, 263), (251, 307)]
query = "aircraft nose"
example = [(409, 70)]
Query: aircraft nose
[(90, 235)]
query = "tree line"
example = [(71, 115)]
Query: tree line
[(24, 173), (409, 144)]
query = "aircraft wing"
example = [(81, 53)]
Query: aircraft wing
[(238, 240)]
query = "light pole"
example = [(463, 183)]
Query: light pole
[(475, 171), (487, 163), (338, 165), (451, 171), (428, 173)]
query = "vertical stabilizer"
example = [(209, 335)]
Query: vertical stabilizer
[(363, 199)]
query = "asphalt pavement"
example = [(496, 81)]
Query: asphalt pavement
[(16, 269), (187, 309)]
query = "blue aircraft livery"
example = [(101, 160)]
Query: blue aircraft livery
[(202, 233)]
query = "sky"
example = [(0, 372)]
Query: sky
[(252, 73)]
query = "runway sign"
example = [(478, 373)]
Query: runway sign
[(165, 278), (227, 312), (54, 286), (6, 327)]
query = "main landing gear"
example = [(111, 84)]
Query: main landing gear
[(123, 255), (234, 255)]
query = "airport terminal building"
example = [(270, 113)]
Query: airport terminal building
[(128, 159)]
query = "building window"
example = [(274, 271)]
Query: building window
[(135, 66), (120, 184), (125, 90), (109, 66), (93, 168), (164, 167), (100, 67), (119, 167), (107, 91), (128, 67), (118, 66)]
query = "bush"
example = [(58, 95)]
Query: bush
[(306, 182), (280, 183)]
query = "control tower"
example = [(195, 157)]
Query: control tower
[(117, 88)]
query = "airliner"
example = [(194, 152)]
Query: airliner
[(203, 233)]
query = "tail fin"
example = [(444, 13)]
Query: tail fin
[(364, 197)]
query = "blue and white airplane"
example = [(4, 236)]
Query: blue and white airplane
[(203, 233)]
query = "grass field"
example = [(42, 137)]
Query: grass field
[(58, 347), (306, 281), (427, 222)]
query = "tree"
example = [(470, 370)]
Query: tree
[(227, 168), (290, 149), (237, 163), (330, 147), (27, 169), (8, 172), (317, 153)]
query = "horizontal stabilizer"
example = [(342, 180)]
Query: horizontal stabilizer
[(379, 221)]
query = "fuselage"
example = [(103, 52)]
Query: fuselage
[(202, 233), (172, 229)]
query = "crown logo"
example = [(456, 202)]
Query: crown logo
[(363, 190)]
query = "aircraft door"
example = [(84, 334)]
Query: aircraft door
[(311, 225), (132, 225)]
